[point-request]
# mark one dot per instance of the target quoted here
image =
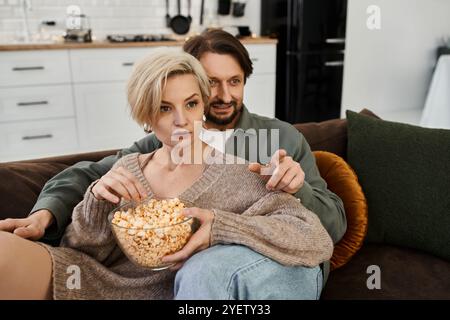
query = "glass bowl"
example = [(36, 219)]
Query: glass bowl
[(150, 229)]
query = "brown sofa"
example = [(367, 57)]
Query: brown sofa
[(405, 273)]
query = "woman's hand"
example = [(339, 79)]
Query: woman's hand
[(32, 227), (199, 241), (119, 183)]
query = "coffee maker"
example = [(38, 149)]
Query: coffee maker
[(78, 26)]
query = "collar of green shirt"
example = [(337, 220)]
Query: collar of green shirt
[(245, 122)]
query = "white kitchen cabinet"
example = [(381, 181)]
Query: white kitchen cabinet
[(103, 117), (263, 57), (259, 95), (36, 105), (29, 103), (259, 92), (21, 68), (99, 65), (39, 138)]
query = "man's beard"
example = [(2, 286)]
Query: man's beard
[(223, 121)]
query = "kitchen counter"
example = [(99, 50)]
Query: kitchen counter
[(107, 44)]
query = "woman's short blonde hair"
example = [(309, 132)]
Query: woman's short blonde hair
[(149, 77)]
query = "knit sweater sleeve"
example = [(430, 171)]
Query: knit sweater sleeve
[(278, 226), (90, 231)]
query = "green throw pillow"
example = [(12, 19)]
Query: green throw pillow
[(404, 171)]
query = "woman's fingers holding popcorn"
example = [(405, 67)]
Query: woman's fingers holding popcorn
[(101, 193), (114, 186), (134, 181), (118, 183), (124, 186)]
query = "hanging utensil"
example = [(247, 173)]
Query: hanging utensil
[(202, 11), (167, 14), (180, 24), (189, 12)]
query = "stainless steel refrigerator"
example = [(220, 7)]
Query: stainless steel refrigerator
[(310, 56)]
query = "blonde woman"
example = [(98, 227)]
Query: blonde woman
[(167, 92)]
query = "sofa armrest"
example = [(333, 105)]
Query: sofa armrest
[(22, 181)]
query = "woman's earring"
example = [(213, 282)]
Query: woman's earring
[(147, 128), (204, 117)]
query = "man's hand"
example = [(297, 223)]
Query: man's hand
[(32, 227), (199, 240), (283, 173), (119, 183)]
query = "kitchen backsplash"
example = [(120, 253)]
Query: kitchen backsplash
[(113, 17)]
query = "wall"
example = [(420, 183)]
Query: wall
[(113, 16), (389, 70)]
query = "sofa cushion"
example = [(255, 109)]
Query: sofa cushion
[(22, 183), (330, 135), (404, 172), (404, 274), (342, 181)]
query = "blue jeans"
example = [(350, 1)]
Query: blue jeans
[(235, 272)]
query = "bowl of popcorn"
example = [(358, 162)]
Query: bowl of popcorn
[(147, 231)]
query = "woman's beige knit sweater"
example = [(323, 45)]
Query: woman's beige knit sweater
[(274, 224)]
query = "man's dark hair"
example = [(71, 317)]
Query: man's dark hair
[(220, 42)]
